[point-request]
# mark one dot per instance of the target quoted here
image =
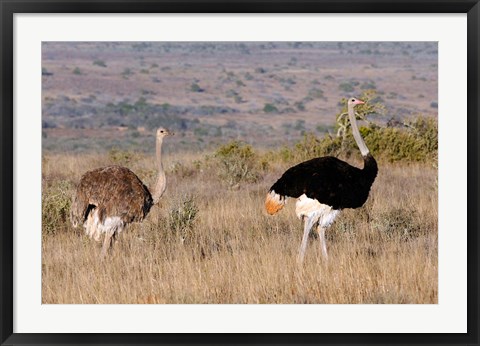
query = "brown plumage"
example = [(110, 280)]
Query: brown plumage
[(109, 198), (112, 190)]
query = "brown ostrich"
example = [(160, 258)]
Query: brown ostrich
[(109, 198)]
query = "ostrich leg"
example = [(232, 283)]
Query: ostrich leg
[(107, 243), (323, 242), (309, 222), (90, 227)]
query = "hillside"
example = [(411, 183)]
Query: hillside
[(100, 95)]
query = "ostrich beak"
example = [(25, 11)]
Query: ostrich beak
[(359, 102)]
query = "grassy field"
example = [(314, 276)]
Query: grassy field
[(210, 241)]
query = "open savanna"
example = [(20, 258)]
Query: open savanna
[(210, 241)]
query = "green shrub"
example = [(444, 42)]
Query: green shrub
[(100, 63), (417, 142), (315, 93), (311, 146), (196, 88), (238, 163), (346, 87), (284, 154), (368, 85), (269, 108), (56, 201), (182, 217), (248, 76), (238, 99), (45, 72), (300, 106), (127, 72)]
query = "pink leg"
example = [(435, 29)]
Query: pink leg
[(323, 241)]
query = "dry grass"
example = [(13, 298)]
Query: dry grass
[(232, 252)]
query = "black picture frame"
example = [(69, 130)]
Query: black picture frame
[(10, 7)]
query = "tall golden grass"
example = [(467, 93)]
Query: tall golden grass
[(230, 251)]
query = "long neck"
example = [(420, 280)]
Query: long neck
[(370, 169), (356, 134), (161, 182)]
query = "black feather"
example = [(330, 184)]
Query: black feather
[(330, 181)]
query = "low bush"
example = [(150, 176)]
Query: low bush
[(194, 87), (269, 108), (182, 217), (414, 140), (418, 141), (238, 163), (100, 63), (56, 201)]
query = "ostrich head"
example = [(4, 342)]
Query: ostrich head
[(353, 102), (162, 132)]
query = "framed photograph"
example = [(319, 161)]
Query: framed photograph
[(239, 173)]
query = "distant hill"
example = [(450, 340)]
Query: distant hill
[(99, 95)]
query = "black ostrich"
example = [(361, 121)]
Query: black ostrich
[(323, 186)]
